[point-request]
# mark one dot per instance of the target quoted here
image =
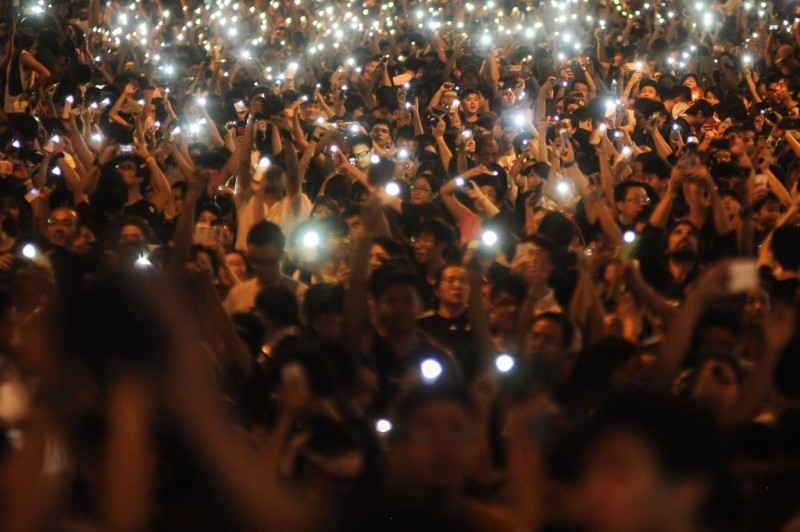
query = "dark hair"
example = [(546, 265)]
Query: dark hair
[(323, 298), (621, 189), (785, 246), (391, 275), (420, 397), (558, 228), (560, 319), (279, 304), (360, 139), (266, 233), (441, 232), (512, 284)]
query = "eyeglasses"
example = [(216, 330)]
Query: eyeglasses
[(64, 222), (361, 154), (420, 189), (644, 200)]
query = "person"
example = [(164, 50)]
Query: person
[(265, 250)]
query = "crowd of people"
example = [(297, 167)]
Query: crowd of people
[(305, 265)]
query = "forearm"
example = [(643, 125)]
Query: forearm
[(659, 218)]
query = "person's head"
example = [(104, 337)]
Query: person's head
[(649, 89), (452, 289), (656, 172), (487, 150), (355, 224), (505, 299), (134, 229), (631, 198), (766, 211), (208, 213), (533, 260), (178, 194), (649, 460), (277, 307), (265, 246), (134, 172), (361, 149), (62, 227), (785, 247), (698, 113), (205, 259), (548, 341), (682, 240), (85, 243), (470, 102), (323, 307), (397, 299), (274, 181), (777, 89), (431, 437), (381, 132), (432, 240), (424, 188), (383, 249), (237, 264), (718, 382), (731, 202), (757, 305)]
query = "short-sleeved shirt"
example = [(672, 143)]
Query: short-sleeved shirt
[(242, 297)]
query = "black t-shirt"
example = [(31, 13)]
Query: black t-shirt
[(145, 210)]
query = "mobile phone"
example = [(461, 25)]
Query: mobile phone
[(125, 149), (564, 135), (515, 68), (675, 135)]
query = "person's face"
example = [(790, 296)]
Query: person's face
[(84, 243), (131, 233), (756, 306), (274, 182), (749, 141), (508, 97), (690, 82), (489, 153), (682, 238), (717, 385), (362, 154), (648, 92), (311, 111), (778, 91), (624, 488), (732, 206), (435, 453), (265, 261), (582, 88), (177, 199), (635, 200), (545, 341), (448, 99), (127, 169), (426, 248), (767, 216), (397, 308), (381, 135), (205, 218), (355, 226), (532, 262), (471, 104), (61, 227), (504, 313), (237, 265), (377, 257), (453, 289), (370, 67), (421, 192)]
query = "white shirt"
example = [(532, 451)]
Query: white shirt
[(280, 213)]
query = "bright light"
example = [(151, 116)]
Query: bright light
[(143, 262), (431, 369), (629, 237), (264, 163), (29, 251), (489, 238), (392, 188), (460, 181), (375, 159), (311, 239), (562, 188), (626, 151), (504, 363), (383, 426)]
